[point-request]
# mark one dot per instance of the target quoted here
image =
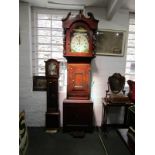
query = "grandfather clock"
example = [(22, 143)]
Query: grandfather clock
[(79, 49), (52, 114)]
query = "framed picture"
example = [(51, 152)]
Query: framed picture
[(39, 83), (110, 42)]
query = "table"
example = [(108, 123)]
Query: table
[(107, 104)]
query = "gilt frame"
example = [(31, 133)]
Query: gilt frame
[(110, 42)]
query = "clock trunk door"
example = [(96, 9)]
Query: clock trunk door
[(78, 81), (52, 94)]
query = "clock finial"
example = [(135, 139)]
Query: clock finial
[(68, 15), (90, 15), (81, 13)]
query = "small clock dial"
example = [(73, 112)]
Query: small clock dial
[(52, 69), (79, 43)]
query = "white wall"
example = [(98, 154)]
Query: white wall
[(33, 102), (104, 66)]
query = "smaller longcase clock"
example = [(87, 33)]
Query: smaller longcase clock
[(52, 68), (52, 75)]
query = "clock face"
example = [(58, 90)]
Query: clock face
[(52, 69), (79, 42)]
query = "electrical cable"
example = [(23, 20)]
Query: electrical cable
[(99, 135), (102, 141)]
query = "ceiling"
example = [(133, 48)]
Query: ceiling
[(112, 6)]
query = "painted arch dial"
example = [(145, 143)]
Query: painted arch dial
[(79, 42)]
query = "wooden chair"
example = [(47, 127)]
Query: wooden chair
[(116, 92), (131, 93)]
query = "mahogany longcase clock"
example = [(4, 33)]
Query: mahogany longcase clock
[(52, 75), (79, 49)]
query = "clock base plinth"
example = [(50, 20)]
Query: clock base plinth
[(52, 120), (77, 115)]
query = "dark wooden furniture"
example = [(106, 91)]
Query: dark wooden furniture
[(131, 93), (52, 75), (107, 105), (124, 135), (131, 129), (128, 134), (79, 49), (115, 97)]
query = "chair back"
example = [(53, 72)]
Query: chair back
[(116, 83)]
